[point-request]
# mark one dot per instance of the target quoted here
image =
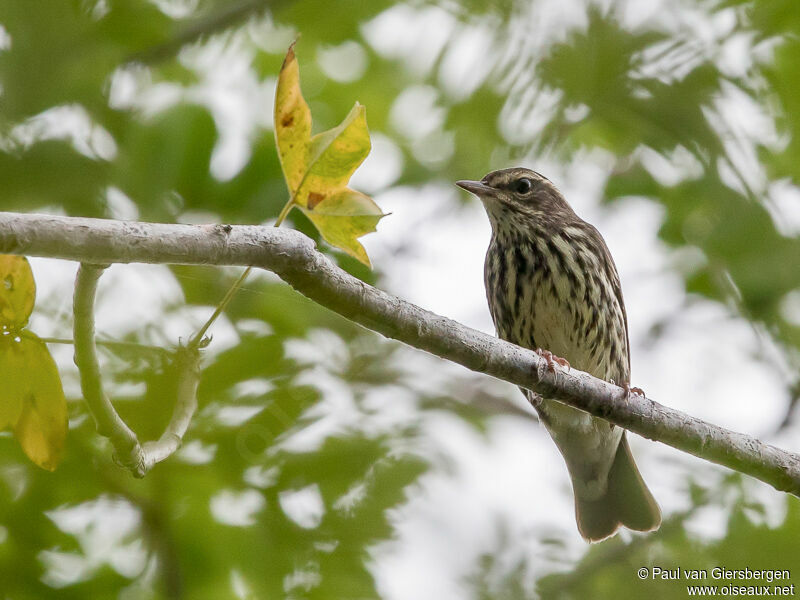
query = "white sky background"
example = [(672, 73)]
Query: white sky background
[(706, 363)]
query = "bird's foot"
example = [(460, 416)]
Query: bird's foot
[(534, 398), (634, 390), (552, 360)]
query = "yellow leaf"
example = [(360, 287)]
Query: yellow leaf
[(12, 386), (317, 169), (32, 399), (17, 291), (345, 217), (334, 156), (292, 123)]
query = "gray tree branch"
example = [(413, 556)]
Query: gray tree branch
[(293, 257)]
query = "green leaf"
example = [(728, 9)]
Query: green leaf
[(31, 398), (345, 217), (17, 291)]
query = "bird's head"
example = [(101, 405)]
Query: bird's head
[(511, 195)]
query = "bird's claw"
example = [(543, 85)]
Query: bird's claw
[(534, 398), (634, 390), (552, 360)]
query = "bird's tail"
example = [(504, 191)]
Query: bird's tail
[(627, 501)]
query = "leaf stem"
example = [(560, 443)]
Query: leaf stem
[(112, 345), (285, 211), (197, 339)]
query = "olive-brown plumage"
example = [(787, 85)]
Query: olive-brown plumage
[(552, 285)]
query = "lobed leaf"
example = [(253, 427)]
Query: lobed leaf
[(334, 155), (345, 217), (17, 291), (317, 169)]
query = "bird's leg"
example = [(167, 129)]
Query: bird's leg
[(552, 359)]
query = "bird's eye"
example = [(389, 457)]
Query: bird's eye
[(523, 186)]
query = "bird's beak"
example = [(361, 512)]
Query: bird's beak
[(478, 188)]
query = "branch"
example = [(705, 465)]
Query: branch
[(109, 423), (188, 360), (114, 346), (221, 20), (293, 257), (128, 451)]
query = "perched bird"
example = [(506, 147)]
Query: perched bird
[(552, 286)]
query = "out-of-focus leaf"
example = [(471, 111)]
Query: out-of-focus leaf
[(12, 385), (71, 47), (17, 291), (605, 570), (317, 169), (52, 172), (32, 399), (593, 65), (600, 68), (768, 17), (784, 77), (738, 239), (340, 23), (175, 152)]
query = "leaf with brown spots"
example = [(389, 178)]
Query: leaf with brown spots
[(317, 169), (334, 156), (345, 217), (292, 123), (313, 199)]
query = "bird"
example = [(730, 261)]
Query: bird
[(552, 287)]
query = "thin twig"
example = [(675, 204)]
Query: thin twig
[(292, 256), (109, 424), (128, 451), (113, 345), (188, 360), (198, 340)]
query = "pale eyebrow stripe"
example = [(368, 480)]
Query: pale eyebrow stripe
[(542, 176)]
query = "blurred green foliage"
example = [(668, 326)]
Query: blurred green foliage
[(619, 89), (608, 568)]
